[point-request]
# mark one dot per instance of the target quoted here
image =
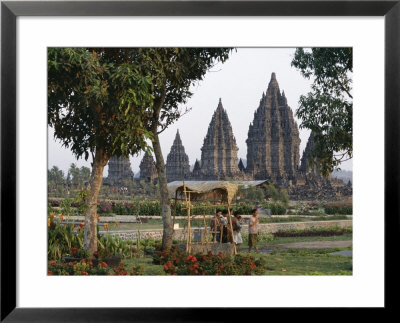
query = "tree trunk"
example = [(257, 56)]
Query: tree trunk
[(168, 229), (99, 161)]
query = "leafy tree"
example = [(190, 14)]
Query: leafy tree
[(97, 102), (283, 196), (84, 173), (273, 192), (174, 71), (75, 176), (109, 101), (56, 180), (328, 109)]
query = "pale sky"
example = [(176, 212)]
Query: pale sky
[(239, 82)]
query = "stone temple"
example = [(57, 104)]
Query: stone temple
[(273, 145), (119, 170), (306, 167), (148, 171), (177, 166), (273, 141), (219, 159)]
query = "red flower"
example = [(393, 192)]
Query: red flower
[(83, 261), (85, 273), (104, 264), (52, 262)]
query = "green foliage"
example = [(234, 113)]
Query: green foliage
[(273, 192), (177, 262), (328, 109), (338, 209), (66, 208), (283, 197), (276, 208), (80, 200), (114, 246), (263, 237), (323, 232), (56, 183), (254, 194), (62, 239), (86, 268), (90, 93)]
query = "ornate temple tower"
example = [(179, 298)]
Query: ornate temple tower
[(148, 170), (119, 170), (273, 139), (219, 152), (241, 166), (177, 166), (196, 173)]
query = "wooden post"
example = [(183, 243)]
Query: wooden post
[(138, 242), (173, 220), (188, 212), (204, 237), (189, 225)]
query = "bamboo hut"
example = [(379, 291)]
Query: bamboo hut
[(219, 193)]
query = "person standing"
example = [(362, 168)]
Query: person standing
[(254, 230), (215, 226), (226, 232), (237, 228)]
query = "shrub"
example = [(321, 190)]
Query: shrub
[(177, 262), (86, 268), (262, 237), (273, 192), (338, 209), (323, 232), (62, 238), (276, 208)]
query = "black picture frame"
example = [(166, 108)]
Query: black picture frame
[(10, 10)]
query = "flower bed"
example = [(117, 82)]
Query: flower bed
[(177, 262), (86, 268)]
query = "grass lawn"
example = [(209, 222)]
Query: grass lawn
[(284, 262), (147, 263), (307, 262), (280, 240)]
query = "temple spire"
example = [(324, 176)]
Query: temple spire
[(177, 166), (273, 138), (219, 152)]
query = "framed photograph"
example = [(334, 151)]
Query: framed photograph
[(264, 35)]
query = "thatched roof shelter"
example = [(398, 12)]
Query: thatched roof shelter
[(202, 190)]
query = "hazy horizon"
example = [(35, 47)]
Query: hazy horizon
[(239, 82)]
